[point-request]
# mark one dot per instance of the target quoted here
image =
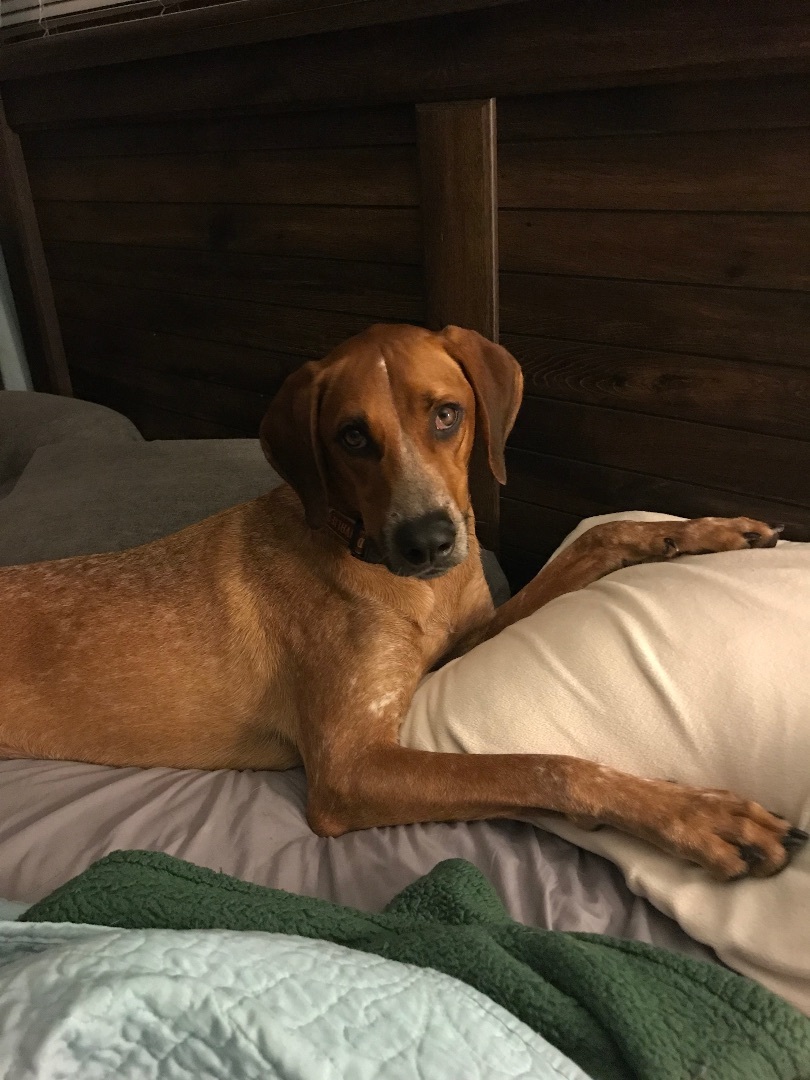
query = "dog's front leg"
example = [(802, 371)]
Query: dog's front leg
[(359, 777), (611, 546), (375, 783)]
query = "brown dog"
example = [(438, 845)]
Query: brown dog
[(296, 627)]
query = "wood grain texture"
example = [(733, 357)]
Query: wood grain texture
[(709, 390), (746, 250), (520, 565), (153, 421), (541, 528), (762, 325), (240, 410), (349, 176), (547, 496), (520, 48), (382, 291), (375, 234), (750, 464), (656, 289), (19, 232), (751, 170), (258, 370), (381, 126), (237, 322), (457, 170), (582, 489), (770, 101), (199, 305)]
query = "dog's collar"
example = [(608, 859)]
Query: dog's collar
[(351, 532)]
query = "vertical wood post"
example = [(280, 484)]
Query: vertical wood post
[(459, 198), (28, 271)]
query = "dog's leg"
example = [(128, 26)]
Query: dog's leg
[(366, 779), (378, 783), (612, 546)]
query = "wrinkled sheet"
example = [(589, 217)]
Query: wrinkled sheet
[(56, 818)]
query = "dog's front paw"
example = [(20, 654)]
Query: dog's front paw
[(731, 837), (703, 536)]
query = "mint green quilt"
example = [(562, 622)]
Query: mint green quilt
[(620, 1010)]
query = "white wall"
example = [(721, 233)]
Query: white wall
[(14, 373)]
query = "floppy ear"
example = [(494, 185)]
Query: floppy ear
[(290, 441), (497, 382)]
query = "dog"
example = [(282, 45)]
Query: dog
[(295, 628)]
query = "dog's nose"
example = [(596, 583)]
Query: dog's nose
[(423, 542)]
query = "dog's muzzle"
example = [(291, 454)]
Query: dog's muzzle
[(426, 546)]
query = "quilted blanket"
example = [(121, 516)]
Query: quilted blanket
[(89, 1003), (621, 1010)]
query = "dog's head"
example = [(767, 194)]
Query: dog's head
[(382, 429)]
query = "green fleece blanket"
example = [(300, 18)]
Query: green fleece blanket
[(620, 1009)]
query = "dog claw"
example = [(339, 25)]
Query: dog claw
[(795, 838), (751, 855)]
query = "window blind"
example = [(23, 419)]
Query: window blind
[(25, 19)]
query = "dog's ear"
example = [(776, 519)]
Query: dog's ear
[(497, 382), (290, 440)]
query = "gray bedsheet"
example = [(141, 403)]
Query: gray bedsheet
[(58, 817), (77, 478)]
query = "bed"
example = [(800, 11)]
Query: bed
[(192, 207)]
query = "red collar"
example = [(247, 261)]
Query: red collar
[(351, 532)]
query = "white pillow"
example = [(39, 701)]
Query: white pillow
[(696, 669)]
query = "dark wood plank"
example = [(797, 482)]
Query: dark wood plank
[(31, 284), (382, 126), (457, 147), (211, 27), (536, 529), (259, 370), (350, 176), (737, 104), (582, 489), (239, 410), (458, 184), (548, 496), (152, 421), (750, 464), (382, 234), (519, 565), (259, 326), (748, 250), (381, 291), (521, 48), (743, 170), (754, 397), (762, 325)]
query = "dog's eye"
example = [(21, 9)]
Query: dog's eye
[(354, 438), (446, 418)]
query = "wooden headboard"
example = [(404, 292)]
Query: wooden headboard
[(627, 205)]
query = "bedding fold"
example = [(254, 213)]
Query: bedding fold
[(95, 1003), (621, 1010)]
